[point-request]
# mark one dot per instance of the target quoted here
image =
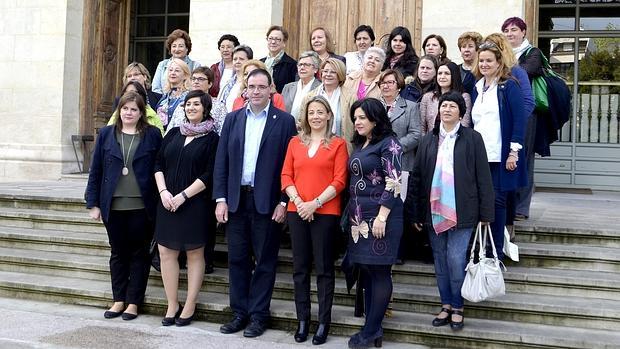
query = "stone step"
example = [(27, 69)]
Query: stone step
[(49, 219), (409, 327), (537, 280), (561, 256), (594, 235), (55, 240), (42, 202), (516, 306)]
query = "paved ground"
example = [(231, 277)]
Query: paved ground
[(34, 324)]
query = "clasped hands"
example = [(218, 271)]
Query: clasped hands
[(306, 209), (171, 203)]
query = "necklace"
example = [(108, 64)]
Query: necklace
[(125, 170)]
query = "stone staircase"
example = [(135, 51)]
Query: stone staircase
[(565, 292)]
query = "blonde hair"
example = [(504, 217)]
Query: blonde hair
[(259, 65), (502, 43), (304, 133), (185, 68), (503, 71), (339, 67), (142, 69)]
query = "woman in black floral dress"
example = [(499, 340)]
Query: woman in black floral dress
[(375, 211)]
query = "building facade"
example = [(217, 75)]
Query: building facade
[(64, 60)]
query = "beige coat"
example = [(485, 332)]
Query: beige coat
[(352, 82)]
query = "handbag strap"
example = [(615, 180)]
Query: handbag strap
[(473, 246), (487, 232)]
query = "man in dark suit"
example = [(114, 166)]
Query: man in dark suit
[(249, 199), (282, 66)]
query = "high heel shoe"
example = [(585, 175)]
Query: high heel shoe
[(320, 336), (357, 341), (302, 331), (184, 321), (169, 321)]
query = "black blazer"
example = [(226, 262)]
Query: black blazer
[(106, 166), (283, 72), (279, 128), (475, 197)]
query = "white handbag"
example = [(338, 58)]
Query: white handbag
[(511, 250), (483, 280)]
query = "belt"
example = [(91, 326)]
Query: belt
[(247, 189)]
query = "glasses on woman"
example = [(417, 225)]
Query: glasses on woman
[(388, 83), (199, 79)]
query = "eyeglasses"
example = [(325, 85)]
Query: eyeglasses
[(272, 39), (487, 45), (390, 83), (305, 65), (259, 88), (199, 79), (329, 72)]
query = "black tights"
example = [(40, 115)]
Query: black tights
[(377, 294)]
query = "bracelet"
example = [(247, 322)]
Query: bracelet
[(184, 195), (294, 197), (163, 190), (318, 202)]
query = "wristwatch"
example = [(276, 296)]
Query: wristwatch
[(381, 218)]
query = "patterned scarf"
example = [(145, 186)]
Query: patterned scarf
[(226, 90), (271, 61), (196, 130), (443, 198)]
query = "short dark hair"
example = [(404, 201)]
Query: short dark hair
[(206, 71), (364, 28), (455, 97), (228, 37), (205, 100), (398, 76), (280, 29), (245, 48), (409, 54), (516, 21), (456, 84), (140, 102), (375, 112), (179, 34), (442, 44), (260, 71)]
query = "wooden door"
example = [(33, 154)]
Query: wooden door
[(105, 45), (341, 17)]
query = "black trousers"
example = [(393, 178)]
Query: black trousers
[(129, 233), (313, 241), (251, 282)]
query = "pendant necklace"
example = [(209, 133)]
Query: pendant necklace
[(125, 170)]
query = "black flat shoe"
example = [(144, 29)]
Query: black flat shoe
[(169, 321), (235, 325), (457, 326), (442, 322), (112, 314), (303, 328), (129, 316), (256, 328), (320, 337), (180, 322)]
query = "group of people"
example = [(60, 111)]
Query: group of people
[(250, 144)]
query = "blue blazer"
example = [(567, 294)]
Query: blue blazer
[(279, 128), (106, 166), (512, 118)]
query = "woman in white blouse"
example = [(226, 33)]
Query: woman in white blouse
[(364, 38), (294, 92)]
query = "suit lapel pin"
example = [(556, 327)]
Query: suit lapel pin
[(274, 116)]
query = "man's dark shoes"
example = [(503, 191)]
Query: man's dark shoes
[(303, 328), (237, 324), (321, 334), (442, 322), (112, 314), (255, 329)]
